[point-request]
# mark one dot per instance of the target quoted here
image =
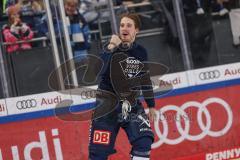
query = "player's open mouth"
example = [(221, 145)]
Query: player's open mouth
[(125, 34)]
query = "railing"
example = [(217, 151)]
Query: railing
[(141, 4), (44, 39), (135, 5)]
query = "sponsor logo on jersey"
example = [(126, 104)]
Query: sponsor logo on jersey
[(131, 67), (101, 137)]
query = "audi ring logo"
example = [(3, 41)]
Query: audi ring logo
[(24, 104), (184, 132), (209, 75)]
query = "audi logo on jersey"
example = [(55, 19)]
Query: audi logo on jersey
[(24, 104), (209, 75), (184, 132)]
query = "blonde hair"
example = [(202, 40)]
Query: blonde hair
[(15, 9), (37, 5)]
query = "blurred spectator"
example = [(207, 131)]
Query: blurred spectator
[(96, 13), (78, 29), (195, 6), (30, 7), (220, 7), (42, 27), (27, 6), (199, 7), (16, 30), (89, 9), (30, 10)]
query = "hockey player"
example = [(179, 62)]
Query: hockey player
[(124, 74)]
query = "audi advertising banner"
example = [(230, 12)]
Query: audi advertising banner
[(46, 101), (37, 102), (195, 124), (216, 74), (3, 108)]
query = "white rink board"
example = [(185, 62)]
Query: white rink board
[(36, 102), (216, 73), (45, 101)]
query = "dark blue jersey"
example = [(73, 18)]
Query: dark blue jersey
[(123, 69)]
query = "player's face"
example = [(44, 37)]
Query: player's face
[(127, 30)]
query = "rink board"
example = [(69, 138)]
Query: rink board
[(211, 133)]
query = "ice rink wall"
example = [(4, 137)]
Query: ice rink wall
[(199, 119)]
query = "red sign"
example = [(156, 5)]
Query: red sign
[(196, 126), (101, 137)]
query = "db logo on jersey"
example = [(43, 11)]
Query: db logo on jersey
[(101, 137)]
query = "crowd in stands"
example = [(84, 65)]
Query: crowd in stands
[(32, 19), (27, 16)]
